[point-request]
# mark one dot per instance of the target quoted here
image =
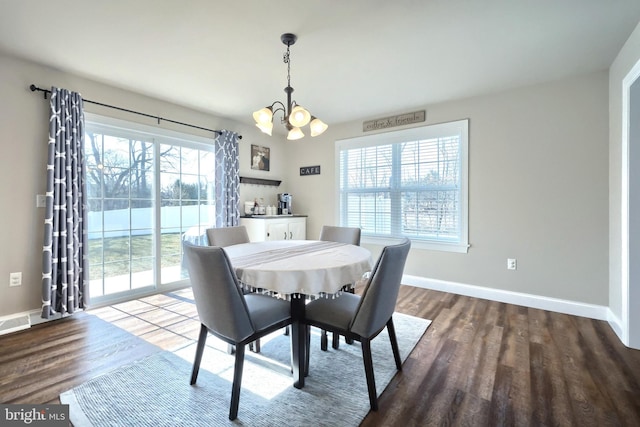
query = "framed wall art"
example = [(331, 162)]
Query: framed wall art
[(259, 157)]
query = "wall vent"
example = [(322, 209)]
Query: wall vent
[(14, 324)]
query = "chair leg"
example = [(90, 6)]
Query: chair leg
[(237, 381), (394, 344), (324, 342), (351, 290), (255, 346), (335, 342), (307, 353), (202, 339), (368, 370)]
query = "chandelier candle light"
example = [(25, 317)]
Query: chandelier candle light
[(294, 115)]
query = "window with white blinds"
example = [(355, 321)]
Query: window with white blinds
[(408, 183)]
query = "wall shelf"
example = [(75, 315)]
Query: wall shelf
[(259, 181)]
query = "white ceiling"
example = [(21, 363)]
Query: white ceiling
[(354, 60)]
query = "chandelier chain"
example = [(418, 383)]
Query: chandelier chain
[(287, 60)]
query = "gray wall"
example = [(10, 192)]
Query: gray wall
[(538, 189)]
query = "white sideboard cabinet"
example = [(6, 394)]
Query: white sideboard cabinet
[(275, 228)]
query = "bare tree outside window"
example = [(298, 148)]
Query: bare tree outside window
[(121, 180)]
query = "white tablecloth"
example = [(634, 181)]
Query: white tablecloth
[(291, 267)]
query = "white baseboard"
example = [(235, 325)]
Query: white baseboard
[(36, 317), (575, 308), (616, 325)]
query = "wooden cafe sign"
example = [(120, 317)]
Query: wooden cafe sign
[(389, 122)]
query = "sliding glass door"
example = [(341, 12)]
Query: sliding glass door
[(148, 190), (186, 203)]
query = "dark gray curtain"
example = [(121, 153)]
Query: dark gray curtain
[(227, 179), (65, 273)]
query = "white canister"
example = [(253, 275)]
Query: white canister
[(248, 208)]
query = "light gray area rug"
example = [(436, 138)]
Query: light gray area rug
[(156, 392)]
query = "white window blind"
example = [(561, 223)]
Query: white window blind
[(409, 183)]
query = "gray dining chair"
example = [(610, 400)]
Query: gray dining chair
[(349, 235), (362, 318), (227, 236), (227, 313)]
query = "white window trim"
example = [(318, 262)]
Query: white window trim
[(158, 133), (424, 132)]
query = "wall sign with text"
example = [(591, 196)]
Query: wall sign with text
[(310, 170), (393, 121)]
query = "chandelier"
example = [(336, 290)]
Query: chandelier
[(294, 115)]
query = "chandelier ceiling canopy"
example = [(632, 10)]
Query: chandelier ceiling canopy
[(294, 115)]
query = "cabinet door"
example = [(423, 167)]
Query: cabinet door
[(256, 229), (297, 230), (277, 231)]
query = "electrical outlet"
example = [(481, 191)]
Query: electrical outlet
[(41, 201), (15, 279), (511, 264)]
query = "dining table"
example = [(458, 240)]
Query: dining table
[(299, 271)]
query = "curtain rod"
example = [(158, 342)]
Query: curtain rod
[(46, 91)]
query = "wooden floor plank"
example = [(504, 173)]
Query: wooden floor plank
[(501, 409)]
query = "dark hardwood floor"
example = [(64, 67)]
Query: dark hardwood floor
[(480, 363)]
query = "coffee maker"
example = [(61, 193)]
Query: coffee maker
[(284, 204)]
